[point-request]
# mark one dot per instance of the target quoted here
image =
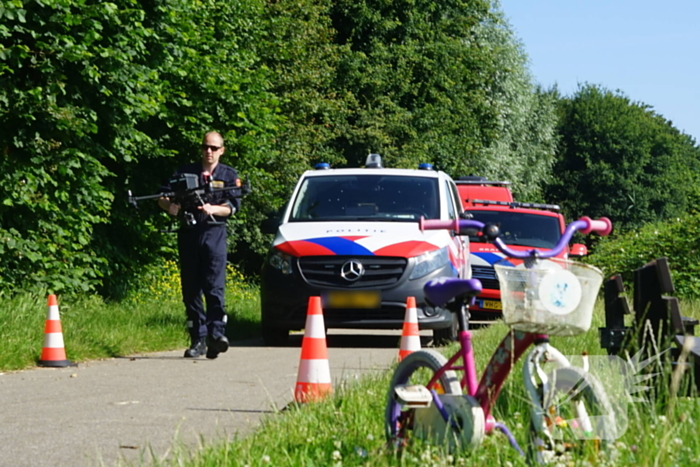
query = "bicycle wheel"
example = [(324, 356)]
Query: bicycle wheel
[(578, 416), (426, 423)]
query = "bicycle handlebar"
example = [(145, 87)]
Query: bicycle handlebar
[(586, 225), (603, 226)]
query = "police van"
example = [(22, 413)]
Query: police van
[(351, 236)]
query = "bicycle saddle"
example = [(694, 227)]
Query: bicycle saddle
[(442, 290)]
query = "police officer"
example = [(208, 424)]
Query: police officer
[(202, 249)]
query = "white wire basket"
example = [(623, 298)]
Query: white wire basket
[(554, 297)]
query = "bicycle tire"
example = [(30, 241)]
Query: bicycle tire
[(398, 422), (570, 385)]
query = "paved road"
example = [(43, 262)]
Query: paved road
[(113, 411)]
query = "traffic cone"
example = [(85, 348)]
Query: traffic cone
[(53, 354), (314, 377), (410, 337)]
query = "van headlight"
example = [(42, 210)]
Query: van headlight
[(281, 261), (429, 262)]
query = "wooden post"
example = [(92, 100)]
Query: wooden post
[(651, 282), (613, 335)]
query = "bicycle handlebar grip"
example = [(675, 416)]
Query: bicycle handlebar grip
[(437, 224), (603, 226)]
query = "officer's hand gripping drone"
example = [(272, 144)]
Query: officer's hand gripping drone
[(187, 192)]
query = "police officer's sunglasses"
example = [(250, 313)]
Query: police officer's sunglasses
[(209, 146)]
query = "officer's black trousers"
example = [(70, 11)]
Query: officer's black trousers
[(203, 271)]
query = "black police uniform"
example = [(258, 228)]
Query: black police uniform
[(203, 250)]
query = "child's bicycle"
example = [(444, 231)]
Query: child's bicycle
[(541, 297)]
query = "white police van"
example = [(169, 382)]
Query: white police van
[(351, 237)]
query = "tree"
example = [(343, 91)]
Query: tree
[(620, 159), (524, 146), (441, 82), (71, 75), (296, 46), (99, 97)]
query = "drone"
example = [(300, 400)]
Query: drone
[(189, 194)]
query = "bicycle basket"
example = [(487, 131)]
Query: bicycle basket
[(553, 297)]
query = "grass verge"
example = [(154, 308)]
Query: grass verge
[(152, 319)]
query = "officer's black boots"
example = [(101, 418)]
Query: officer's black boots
[(197, 349), (216, 346)]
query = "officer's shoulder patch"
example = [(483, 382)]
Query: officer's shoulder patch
[(217, 184)]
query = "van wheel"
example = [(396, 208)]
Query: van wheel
[(446, 335), (275, 337)]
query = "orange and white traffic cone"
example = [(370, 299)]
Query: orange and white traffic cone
[(53, 354), (410, 337), (314, 377)]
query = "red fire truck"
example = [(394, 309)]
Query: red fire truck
[(523, 226)]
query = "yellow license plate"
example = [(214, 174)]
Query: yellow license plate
[(491, 305), (353, 299)]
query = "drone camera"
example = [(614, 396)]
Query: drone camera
[(184, 182)]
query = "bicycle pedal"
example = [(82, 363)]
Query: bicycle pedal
[(415, 396)]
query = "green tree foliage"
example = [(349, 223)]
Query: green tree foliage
[(443, 82), (410, 68), (296, 46), (66, 68), (95, 94), (523, 148), (676, 239), (299, 50), (619, 159)]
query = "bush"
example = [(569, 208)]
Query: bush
[(676, 239)]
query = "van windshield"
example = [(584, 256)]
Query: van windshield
[(518, 228), (366, 197)]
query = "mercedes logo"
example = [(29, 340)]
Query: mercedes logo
[(352, 270)]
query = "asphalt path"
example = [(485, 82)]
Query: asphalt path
[(124, 411)]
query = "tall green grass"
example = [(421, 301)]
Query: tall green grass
[(151, 319)]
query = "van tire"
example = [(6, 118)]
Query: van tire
[(275, 337), (446, 335)]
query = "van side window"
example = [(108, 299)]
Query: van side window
[(451, 212), (455, 196)]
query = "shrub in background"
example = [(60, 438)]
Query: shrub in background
[(677, 239)]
